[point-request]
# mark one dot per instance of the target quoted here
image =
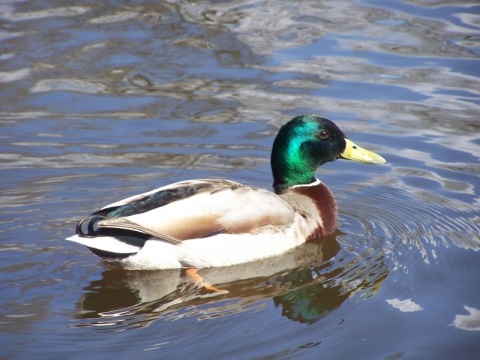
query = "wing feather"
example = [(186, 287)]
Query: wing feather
[(197, 209), (125, 224), (232, 210)]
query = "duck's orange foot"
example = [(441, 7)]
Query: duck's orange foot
[(193, 273)]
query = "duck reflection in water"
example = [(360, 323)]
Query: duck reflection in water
[(306, 283)]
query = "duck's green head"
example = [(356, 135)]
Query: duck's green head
[(306, 142)]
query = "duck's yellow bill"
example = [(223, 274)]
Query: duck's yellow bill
[(354, 152)]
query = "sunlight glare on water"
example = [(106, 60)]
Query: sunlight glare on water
[(100, 101)]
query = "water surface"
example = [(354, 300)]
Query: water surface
[(100, 101)]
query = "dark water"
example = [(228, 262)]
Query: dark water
[(100, 101)]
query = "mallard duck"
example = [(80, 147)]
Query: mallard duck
[(216, 222)]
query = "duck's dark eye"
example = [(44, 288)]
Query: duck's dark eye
[(324, 134)]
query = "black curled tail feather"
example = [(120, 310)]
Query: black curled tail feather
[(88, 226)]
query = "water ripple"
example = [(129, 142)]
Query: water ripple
[(396, 214)]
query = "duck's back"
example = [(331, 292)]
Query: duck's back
[(191, 209)]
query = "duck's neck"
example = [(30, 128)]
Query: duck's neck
[(289, 171), (313, 183), (281, 186)]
